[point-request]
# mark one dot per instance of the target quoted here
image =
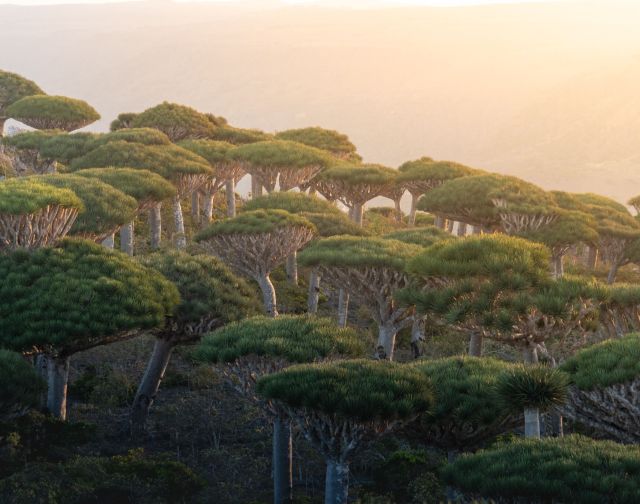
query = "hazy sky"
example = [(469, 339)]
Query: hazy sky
[(334, 3)]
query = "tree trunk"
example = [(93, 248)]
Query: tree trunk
[(314, 292), (178, 218), (336, 483), (109, 242), (462, 229), (450, 224), (268, 296), (417, 336), (155, 225), (413, 210), (476, 230), (386, 341), (195, 206), (40, 366), (208, 207), (398, 210), (358, 213), (532, 423), (127, 233), (58, 377), (613, 272), (530, 354), (150, 384), (2, 121), (439, 221), (256, 187), (475, 344), (592, 258), (558, 266), (282, 461), (343, 307), (230, 190), (292, 268)]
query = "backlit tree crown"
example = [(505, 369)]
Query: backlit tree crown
[(14, 87), (331, 141), (178, 122), (53, 112)]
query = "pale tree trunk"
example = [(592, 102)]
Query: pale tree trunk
[(592, 258), (386, 341), (292, 268), (530, 354), (195, 206), (256, 187), (532, 423), (282, 461), (558, 266), (398, 210), (314, 292), (150, 384), (417, 336), (343, 307), (109, 242), (178, 218), (268, 295), (2, 121), (336, 483), (155, 224), (40, 366), (439, 222), (58, 377), (413, 210), (462, 229), (127, 233), (476, 230), (358, 213), (475, 344), (208, 207), (230, 190), (613, 272), (450, 224)]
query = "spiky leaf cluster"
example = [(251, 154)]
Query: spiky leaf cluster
[(14, 87), (425, 173), (332, 224), (423, 236), (77, 295), (296, 339), (238, 136), (292, 202), (331, 141), (178, 122), (20, 386), (255, 222), (279, 154), (214, 152), (123, 121), (53, 112), (532, 387), (28, 195), (145, 136)]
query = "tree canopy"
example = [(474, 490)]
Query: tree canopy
[(53, 112), (254, 222), (215, 152), (423, 174), (532, 387), (279, 154), (178, 122), (29, 195), (77, 295), (238, 136), (331, 141), (330, 224), (14, 87), (423, 236), (146, 136), (292, 202)]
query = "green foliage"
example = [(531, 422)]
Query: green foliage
[(134, 478), (178, 122), (523, 197), (591, 200), (168, 161), (433, 172), (292, 202), (331, 224), (146, 136), (363, 390), (332, 141), (105, 207), (423, 236), (76, 295), (51, 112), (532, 387), (238, 136), (359, 174), (123, 121), (28, 195), (66, 147), (30, 140), (255, 222), (565, 469), (213, 151), (14, 87), (280, 154), (379, 221), (608, 363), (358, 252), (208, 289), (20, 386), (570, 228), (293, 338), (142, 185)]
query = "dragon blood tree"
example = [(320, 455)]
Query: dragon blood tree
[(146, 136), (341, 406), (178, 122), (371, 270), (106, 209), (605, 380), (254, 243), (14, 87), (226, 173), (424, 174), (288, 164), (20, 386), (33, 214), (239, 136), (123, 121), (334, 142), (210, 297), (184, 169), (354, 185), (259, 346), (25, 150), (61, 300), (46, 112), (147, 188)]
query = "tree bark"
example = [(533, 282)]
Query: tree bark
[(256, 187), (439, 222), (109, 242), (282, 461), (532, 423), (413, 210), (558, 266), (386, 341), (2, 121), (292, 268), (450, 224), (268, 296), (592, 258), (314, 292), (475, 344), (613, 272), (358, 213), (336, 484), (40, 365), (530, 354), (181, 238), (462, 229), (230, 190), (343, 307), (417, 337), (195, 206), (150, 384), (208, 207), (476, 230), (58, 378), (155, 224), (398, 210), (127, 233)]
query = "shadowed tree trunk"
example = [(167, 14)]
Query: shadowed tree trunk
[(109, 242), (439, 222), (314, 292), (398, 210), (476, 230), (208, 207), (475, 344), (358, 212), (155, 225), (282, 461), (230, 190), (256, 187), (195, 206), (181, 238), (462, 229), (613, 272), (532, 423), (413, 210), (127, 233), (386, 341), (268, 296), (58, 377), (336, 486), (450, 224), (592, 258), (417, 336), (292, 268), (343, 307), (2, 121), (558, 266), (530, 354)]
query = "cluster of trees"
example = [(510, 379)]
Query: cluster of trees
[(64, 196)]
